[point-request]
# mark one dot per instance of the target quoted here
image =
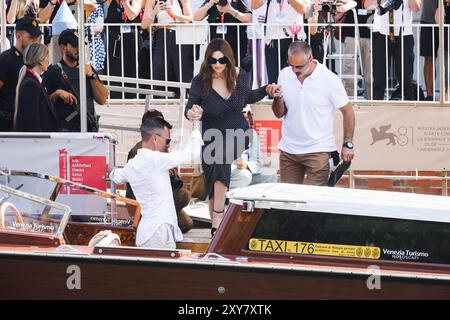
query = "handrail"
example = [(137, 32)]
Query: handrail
[(141, 91), (181, 85)]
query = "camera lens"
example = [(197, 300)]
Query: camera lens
[(327, 6)]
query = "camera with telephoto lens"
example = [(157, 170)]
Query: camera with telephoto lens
[(389, 5), (223, 3), (328, 6)]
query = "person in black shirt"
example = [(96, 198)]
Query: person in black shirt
[(348, 37), (121, 41), (234, 12), (446, 37), (63, 84), (27, 32), (171, 61), (33, 109), (55, 4), (49, 15)]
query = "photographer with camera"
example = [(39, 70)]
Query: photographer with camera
[(165, 44), (278, 38), (227, 11), (348, 37), (392, 25), (62, 81), (325, 12)]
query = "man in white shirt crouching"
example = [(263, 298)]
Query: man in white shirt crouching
[(148, 175)]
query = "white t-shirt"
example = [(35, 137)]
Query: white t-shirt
[(257, 26), (148, 175), (283, 13), (163, 16), (307, 126), (402, 17)]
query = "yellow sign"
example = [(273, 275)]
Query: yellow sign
[(324, 249)]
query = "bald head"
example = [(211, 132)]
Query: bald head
[(300, 48)]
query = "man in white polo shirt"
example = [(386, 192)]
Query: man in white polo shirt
[(309, 98)]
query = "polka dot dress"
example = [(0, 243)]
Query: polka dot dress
[(224, 115), (97, 51)]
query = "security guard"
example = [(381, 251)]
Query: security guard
[(62, 81), (27, 32)]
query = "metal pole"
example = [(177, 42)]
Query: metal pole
[(82, 67), (351, 180), (441, 54), (3, 27), (112, 161), (445, 184)]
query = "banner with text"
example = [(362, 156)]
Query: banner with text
[(398, 138), (78, 157)]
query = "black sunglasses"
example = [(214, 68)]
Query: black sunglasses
[(222, 60), (167, 139)]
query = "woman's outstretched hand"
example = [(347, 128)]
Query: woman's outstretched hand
[(195, 113)]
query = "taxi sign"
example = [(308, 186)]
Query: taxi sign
[(324, 249)]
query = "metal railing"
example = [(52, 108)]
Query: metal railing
[(138, 62)]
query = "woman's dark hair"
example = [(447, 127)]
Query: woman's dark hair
[(206, 70)]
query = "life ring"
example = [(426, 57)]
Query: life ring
[(19, 219)]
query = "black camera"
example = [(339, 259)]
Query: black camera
[(328, 6), (223, 3), (176, 182), (389, 5)]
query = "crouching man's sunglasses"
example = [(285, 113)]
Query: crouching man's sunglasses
[(167, 139)]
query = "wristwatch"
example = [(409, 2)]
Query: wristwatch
[(94, 76), (348, 145)]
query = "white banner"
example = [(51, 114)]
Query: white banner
[(78, 157), (387, 138)]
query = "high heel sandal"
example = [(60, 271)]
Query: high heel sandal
[(213, 229)]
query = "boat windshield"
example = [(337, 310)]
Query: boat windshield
[(341, 235), (21, 211), (86, 204)]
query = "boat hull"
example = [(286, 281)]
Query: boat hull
[(49, 277)]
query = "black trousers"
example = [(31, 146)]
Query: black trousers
[(394, 52), (116, 57), (275, 63), (172, 60)]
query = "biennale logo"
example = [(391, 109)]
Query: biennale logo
[(393, 139)]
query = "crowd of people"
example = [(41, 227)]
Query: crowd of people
[(36, 97), (147, 36)]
